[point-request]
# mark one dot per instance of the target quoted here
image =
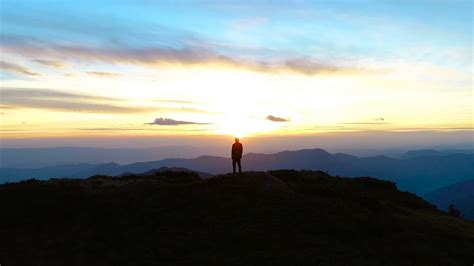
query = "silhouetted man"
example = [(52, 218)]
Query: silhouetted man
[(237, 150)]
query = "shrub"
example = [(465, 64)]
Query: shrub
[(453, 211)]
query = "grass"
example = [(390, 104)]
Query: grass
[(280, 217)]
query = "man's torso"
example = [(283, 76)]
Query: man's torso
[(237, 150)]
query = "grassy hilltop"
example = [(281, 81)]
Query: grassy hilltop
[(280, 217)]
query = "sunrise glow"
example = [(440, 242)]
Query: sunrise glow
[(233, 74)]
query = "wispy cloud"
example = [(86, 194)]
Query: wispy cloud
[(63, 101), (186, 110), (177, 101), (276, 119), (182, 106), (375, 121), (197, 53), (5, 107), (171, 122), (52, 63), (312, 66), (10, 93), (363, 123), (103, 74), (15, 68), (111, 129)]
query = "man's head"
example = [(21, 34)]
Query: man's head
[(236, 140)]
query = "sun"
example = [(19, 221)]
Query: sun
[(243, 126), (240, 133), (235, 126)]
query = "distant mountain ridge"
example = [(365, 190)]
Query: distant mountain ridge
[(431, 152), (52, 156), (44, 157), (419, 174), (461, 195)]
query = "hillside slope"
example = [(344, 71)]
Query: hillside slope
[(257, 218), (460, 194)]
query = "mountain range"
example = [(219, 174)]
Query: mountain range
[(51, 156), (43, 157), (420, 174)]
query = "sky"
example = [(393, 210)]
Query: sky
[(160, 69)]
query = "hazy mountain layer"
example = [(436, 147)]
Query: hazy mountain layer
[(419, 174), (461, 195)]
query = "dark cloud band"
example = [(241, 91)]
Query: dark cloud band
[(276, 119), (17, 69), (171, 122)]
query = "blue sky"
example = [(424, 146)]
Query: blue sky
[(337, 28), (333, 65)]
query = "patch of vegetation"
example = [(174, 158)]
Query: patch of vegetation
[(453, 211), (282, 217)]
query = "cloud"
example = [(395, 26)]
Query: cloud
[(5, 107), (377, 121), (364, 123), (135, 129), (187, 53), (8, 93), (62, 101), (171, 122), (6, 66), (175, 101), (312, 67), (187, 110), (103, 74), (329, 127), (276, 119), (176, 105), (52, 63), (110, 129)]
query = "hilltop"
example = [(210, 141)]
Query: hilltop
[(281, 217)]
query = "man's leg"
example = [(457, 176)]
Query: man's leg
[(240, 166), (233, 164)]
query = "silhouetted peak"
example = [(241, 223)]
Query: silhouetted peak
[(305, 152), (314, 152), (345, 156), (110, 164), (419, 153)]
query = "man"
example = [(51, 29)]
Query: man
[(237, 150)]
